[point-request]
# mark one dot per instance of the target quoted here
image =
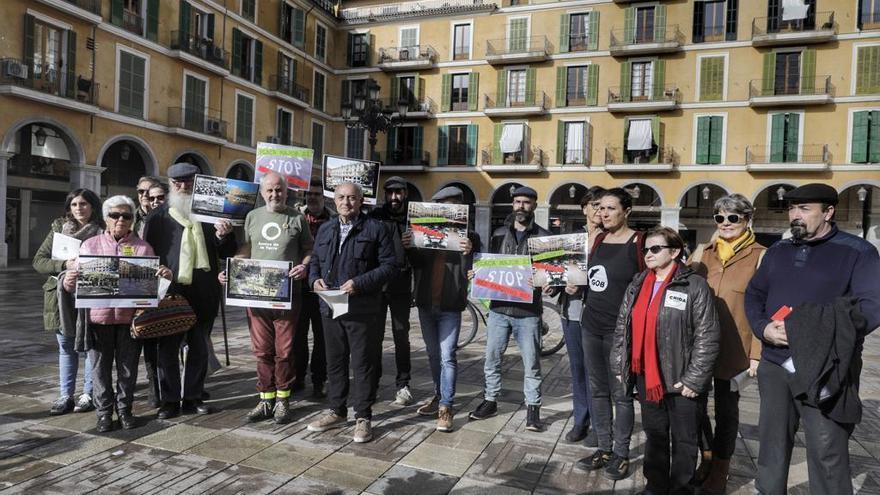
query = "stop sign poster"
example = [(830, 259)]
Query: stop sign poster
[(293, 162), (502, 277)]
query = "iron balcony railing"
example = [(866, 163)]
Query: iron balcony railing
[(47, 78), (407, 54), (132, 22), (93, 6), (869, 20), (670, 92), (201, 120), (202, 48), (528, 155), (802, 86), (575, 156), (621, 156), (622, 37), (519, 45), (287, 86), (788, 153), (513, 101), (423, 104), (359, 15), (815, 21), (403, 157)]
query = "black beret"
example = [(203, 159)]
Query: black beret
[(395, 182), (525, 191), (812, 193)]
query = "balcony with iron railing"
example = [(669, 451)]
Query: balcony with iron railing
[(403, 160), (516, 105), (419, 8), (651, 99), (416, 108), (817, 27), (203, 121), (528, 159), (657, 159), (132, 22), (36, 81), (92, 6), (201, 48), (573, 156), (645, 41), (869, 20), (286, 87), (774, 91), (518, 50), (396, 58), (787, 157)]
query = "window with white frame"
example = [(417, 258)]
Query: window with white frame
[(320, 42), (132, 84), (461, 41), (575, 142)]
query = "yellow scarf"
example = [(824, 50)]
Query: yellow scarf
[(727, 250), (193, 239)]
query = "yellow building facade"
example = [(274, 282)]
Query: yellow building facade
[(678, 102)]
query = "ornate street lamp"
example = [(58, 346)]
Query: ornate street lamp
[(369, 114)]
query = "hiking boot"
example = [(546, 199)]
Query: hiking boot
[(327, 422), (105, 423), (617, 468), (598, 460), (445, 419), (533, 419), (429, 408), (363, 431), (84, 404), (282, 411), (486, 409), (62, 405), (262, 411), (404, 396), (576, 434)]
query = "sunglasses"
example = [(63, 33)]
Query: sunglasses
[(141, 192), (115, 215), (732, 218), (654, 249), (156, 198)]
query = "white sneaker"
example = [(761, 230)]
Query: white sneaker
[(363, 431), (404, 397)]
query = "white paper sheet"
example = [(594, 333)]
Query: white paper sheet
[(336, 299), (64, 247), (164, 284)]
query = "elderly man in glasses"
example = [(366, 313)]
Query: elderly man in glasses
[(144, 207)]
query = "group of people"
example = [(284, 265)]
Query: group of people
[(652, 323)]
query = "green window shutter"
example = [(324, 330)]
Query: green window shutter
[(711, 78), (28, 55), (517, 35), (116, 7), (284, 23), (442, 145), (715, 139), (659, 81), (629, 24), (593, 84), (418, 139), (299, 28), (153, 20), (768, 80), (594, 31), (564, 32), (71, 64), (659, 23), (861, 121), (777, 137), (346, 92), (258, 63), (657, 134), (496, 143), (210, 27), (183, 22), (560, 141), (124, 98), (446, 93), (531, 75), (420, 88), (392, 144), (318, 99), (472, 136), (703, 128), (371, 42), (625, 132), (236, 52), (808, 71), (501, 94), (473, 91), (138, 86), (561, 83), (868, 70), (349, 56), (395, 90), (791, 141), (625, 81), (874, 141)]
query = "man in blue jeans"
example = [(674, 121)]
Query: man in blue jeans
[(520, 319), (441, 292)]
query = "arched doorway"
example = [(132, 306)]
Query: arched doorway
[(858, 212), (124, 162), (196, 159), (413, 193), (771, 213), (566, 215), (695, 216), (241, 171), (502, 199), (646, 206)]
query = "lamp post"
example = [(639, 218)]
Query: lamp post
[(369, 114)]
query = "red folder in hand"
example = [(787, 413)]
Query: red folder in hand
[(781, 313)]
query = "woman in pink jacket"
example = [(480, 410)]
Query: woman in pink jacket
[(110, 326)]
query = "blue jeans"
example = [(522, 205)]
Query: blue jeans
[(440, 331), (528, 339), (68, 365), (580, 378)]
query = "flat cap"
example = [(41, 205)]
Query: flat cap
[(446, 193), (182, 170), (812, 193), (525, 191), (394, 182)]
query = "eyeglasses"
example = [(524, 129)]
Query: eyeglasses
[(153, 199), (115, 215), (141, 192), (187, 180), (732, 218), (654, 249)]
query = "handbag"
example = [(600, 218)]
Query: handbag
[(173, 315)]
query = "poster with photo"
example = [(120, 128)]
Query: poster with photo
[(502, 277), (258, 283), (293, 162), (338, 169), (559, 259), (117, 282), (218, 198), (438, 225)]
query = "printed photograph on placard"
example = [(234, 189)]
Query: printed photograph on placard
[(559, 259), (438, 225), (338, 169), (502, 277), (117, 282), (218, 198), (258, 283), (293, 162)]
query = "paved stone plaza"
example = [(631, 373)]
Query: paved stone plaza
[(222, 453)]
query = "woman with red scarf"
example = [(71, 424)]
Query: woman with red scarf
[(667, 340)]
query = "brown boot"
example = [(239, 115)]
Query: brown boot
[(705, 466), (716, 483)]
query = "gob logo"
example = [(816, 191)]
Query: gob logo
[(598, 279)]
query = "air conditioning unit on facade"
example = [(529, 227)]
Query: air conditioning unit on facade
[(213, 127), (15, 69)]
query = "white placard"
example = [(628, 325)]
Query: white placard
[(64, 247)]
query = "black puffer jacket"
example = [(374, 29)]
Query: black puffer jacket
[(687, 340)]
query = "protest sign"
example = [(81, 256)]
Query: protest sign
[(117, 282), (559, 259), (293, 162), (218, 198), (338, 169), (438, 225), (258, 283), (502, 277)]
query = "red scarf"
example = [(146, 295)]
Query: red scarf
[(644, 331)]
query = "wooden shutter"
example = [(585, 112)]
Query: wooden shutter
[(711, 78), (625, 133), (731, 21), (561, 84), (791, 136), (560, 142), (472, 136), (861, 123), (564, 32), (703, 129), (715, 138), (183, 23), (473, 91), (657, 136), (496, 144), (299, 28), (258, 62), (284, 31), (392, 145), (660, 23), (777, 137), (501, 95), (395, 91), (868, 70), (593, 85), (594, 31), (346, 92), (446, 93), (629, 25), (531, 75), (768, 81), (419, 85), (371, 42), (698, 24), (71, 64), (659, 81), (349, 56), (808, 71), (625, 81), (28, 55), (153, 20), (418, 139), (874, 139), (210, 26), (517, 35), (116, 8), (236, 52), (442, 145)]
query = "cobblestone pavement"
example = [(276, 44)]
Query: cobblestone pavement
[(222, 453)]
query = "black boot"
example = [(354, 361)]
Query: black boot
[(533, 419)]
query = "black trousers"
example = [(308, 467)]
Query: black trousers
[(113, 343), (722, 441), (151, 359), (310, 312), (354, 342), (827, 441), (671, 430), (400, 307), (612, 412), (195, 368)]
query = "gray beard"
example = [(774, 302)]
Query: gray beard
[(180, 202)]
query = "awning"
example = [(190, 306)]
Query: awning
[(794, 10), (640, 137), (511, 138)]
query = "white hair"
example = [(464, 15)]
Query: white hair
[(358, 189), (118, 200)]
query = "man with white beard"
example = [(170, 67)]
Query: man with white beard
[(280, 233), (191, 250)]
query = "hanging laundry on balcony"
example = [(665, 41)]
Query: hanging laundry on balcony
[(640, 137), (511, 138), (794, 10), (574, 143)]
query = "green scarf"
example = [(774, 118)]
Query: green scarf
[(193, 253)]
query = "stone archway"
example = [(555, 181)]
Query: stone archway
[(194, 158), (566, 215), (124, 161), (647, 205), (858, 212), (696, 207), (771, 216), (501, 204)]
